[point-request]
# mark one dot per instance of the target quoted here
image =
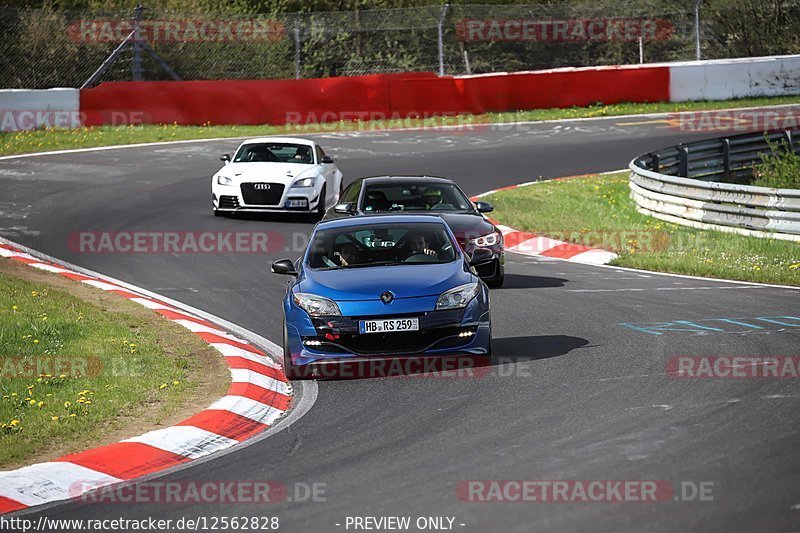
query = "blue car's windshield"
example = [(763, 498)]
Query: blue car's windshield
[(380, 245)]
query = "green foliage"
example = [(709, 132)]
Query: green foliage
[(779, 169)]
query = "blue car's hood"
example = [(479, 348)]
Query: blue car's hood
[(368, 283)]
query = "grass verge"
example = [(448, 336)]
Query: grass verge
[(81, 368), (597, 211), (50, 139)]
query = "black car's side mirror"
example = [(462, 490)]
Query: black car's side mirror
[(484, 207), (284, 266), (480, 255), (225, 157), (327, 159), (347, 208)]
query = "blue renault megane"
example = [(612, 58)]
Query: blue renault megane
[(383, 287)]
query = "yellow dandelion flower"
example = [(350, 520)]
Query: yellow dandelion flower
[(794, 266), (176, 382), (163, 386), (67, 404), (14, 307), (14, 423), (72, 415), (32, 402), (54, 419), (35, 341)]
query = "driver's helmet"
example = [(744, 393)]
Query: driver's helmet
[(432, 196)]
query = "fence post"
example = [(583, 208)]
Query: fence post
[(726, 157), (440, 29), (137, 44), (683, 161), (697, 53), (297, 45)]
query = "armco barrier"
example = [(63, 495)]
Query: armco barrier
[(679, 184), (23, 109)]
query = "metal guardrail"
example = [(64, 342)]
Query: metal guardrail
[(682, 184)]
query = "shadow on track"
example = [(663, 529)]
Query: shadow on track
[(518, 281), (507, 351), (512, 350)]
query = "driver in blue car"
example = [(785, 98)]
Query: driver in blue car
[(419, 245)]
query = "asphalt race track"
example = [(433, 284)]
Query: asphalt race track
[(579, 391)]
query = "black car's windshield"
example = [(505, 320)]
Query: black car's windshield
[(274, 153), (414, 196), (380, 245)]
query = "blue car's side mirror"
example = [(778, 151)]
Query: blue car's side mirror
[(284, 266)]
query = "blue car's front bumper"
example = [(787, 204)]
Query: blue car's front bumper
[(464, 331)]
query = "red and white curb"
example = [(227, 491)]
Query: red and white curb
[(526, 243), (259, 395)]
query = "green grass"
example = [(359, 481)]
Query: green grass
[(110, 366), (597, 211), (50, 139)]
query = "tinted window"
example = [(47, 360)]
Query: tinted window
[(274, 153), (415, 197), (350, 194)]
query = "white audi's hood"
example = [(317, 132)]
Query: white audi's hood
[(285, 173)]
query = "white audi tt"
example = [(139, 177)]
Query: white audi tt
[(276, 174)]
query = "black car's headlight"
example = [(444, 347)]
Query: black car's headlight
[(316, 305), (304, 183), (490, 239), (458, 297), (224, 180)]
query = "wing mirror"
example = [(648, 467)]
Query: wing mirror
[(284, 266), (327, 159), (347, 208), (480, 255), (484, 207), (226, 158)]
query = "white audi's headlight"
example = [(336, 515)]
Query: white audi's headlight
[(490, 239), (224, 180), (458, 297), (316, 305), (304, 183)]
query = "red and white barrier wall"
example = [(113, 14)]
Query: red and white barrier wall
[(408, 95)]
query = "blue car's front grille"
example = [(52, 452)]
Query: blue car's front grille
[(438, 329)]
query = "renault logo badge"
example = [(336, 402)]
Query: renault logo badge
[(387, 297)]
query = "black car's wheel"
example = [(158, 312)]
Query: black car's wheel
[(292, 370), (495, 283)]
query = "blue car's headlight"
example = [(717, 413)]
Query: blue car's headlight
[(458, 297), (304, 183), (316, 305), (224, 180)]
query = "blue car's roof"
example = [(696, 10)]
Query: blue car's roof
[(380, 219)]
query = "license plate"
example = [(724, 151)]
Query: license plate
[(387, 325), (297, 203)]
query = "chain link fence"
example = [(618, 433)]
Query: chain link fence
[(49, 47)]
